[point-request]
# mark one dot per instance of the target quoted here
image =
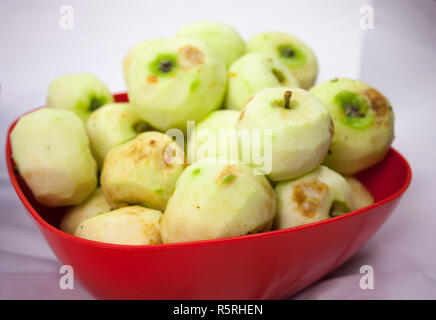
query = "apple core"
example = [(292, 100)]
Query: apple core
[(164, 65), (356, 111), (95, 104), (291, 55)]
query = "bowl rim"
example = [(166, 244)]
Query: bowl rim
[(198, 243)]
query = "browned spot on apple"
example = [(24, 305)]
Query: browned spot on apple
[(228, 170), (136, 153), (381, 122), (378, 102), (331, 127), (307, 196), (192, 56), (242, 114), (245, 107), (152, 79), (152, 142), (150, 232), (249, 99)]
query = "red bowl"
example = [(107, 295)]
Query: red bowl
[(270, 265)]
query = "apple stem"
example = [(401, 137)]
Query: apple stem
[(287, 96)]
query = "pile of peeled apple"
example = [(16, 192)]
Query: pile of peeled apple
[(124, 179)]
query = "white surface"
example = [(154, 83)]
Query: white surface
[(397, 57)]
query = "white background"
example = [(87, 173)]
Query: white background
[(397, 57)]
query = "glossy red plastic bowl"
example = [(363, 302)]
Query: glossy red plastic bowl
[(270, 265)]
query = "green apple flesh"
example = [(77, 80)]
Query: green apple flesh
[(298, 57), (216, 200), (255, 71), (142, 171), (92, 206), (364, 124), (133, 52), (210, 138), (176, 80), (81, 93), (51, 150), (361, 195), (301, 129), (316, 196), (111, 125), (132, 225), (224, 39)]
